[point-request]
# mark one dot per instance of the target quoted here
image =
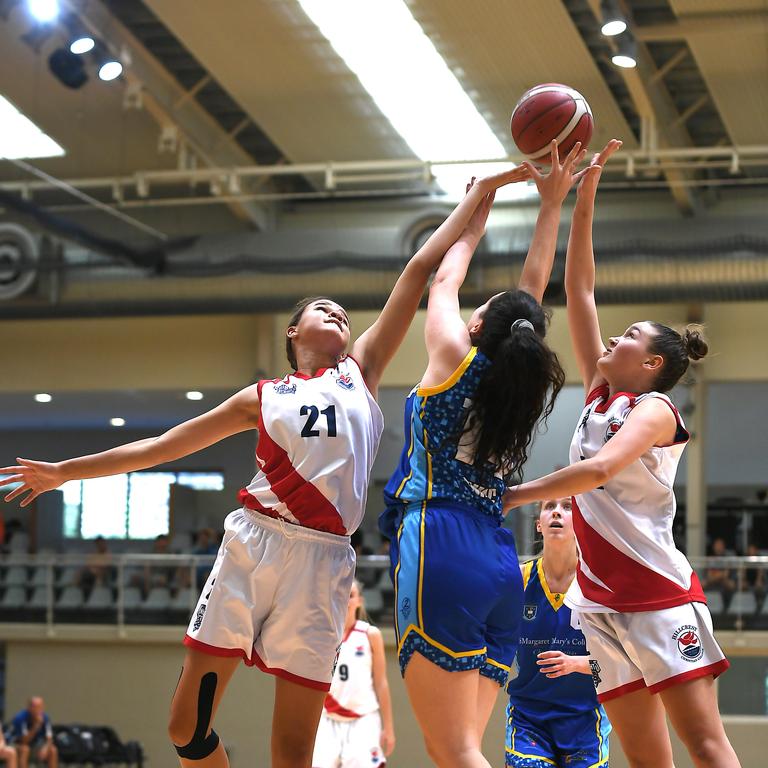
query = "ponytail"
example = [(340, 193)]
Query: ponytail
[(520, 386)]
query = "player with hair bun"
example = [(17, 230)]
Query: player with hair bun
[(641, 606), (277, 595), (356, 729)]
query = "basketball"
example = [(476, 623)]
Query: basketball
[(550, 111)]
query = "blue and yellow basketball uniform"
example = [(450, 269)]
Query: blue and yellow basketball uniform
[(551, 721), (458, 588)]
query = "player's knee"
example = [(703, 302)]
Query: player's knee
[(189, 722), (706, 750), (293, 748)]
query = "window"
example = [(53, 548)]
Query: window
[(134, 505)]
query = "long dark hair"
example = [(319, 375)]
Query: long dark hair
[(520, 386), (676, 350), (298, 311)]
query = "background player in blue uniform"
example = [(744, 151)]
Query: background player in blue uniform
[(553, 716), (468, 426)]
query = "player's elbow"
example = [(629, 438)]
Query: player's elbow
[(601, 471)]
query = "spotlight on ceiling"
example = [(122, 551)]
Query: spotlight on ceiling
[(626, 52), (44, 11), (110, 68), (194, 395), (80, 44), (43, 397), (68, 68), (614, 22), (117, 421)]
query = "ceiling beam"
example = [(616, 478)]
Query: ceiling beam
[(170, 104), (653, 103), (690, 24)]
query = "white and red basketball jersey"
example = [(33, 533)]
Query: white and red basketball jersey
[(318, 437), (352, 694), (628, 560)]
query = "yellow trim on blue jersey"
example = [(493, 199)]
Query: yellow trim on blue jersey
[(511, 751), (439, 646), (452, 379), (497, 664), (527, 567), (410, 453), (601, 760), (555, 601), (397, 571), (420, 585)]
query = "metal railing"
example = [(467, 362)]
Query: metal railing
[(736, 587)]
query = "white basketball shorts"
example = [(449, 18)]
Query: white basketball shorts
[(650, 649), (277, 597), (348, 743)]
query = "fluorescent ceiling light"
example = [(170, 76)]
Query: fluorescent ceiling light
[(44, 10), (21, 138), (381, 42)]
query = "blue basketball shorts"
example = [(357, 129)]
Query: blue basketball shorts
[(572, 740), (458, 589)]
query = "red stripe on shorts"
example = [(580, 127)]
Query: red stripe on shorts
[(286, 675), (715, 670)]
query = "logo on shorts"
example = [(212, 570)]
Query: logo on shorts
[(375, 756), (335, 660), (529, 612), (405, 607), (614, 425), (688, 643), (345, 381), (594, 666), (285, 389), (199, 618)]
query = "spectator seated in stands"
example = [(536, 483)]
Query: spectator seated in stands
[(718, 577), (32, 735), (754, 578), (205, 544), (159, 575), (98, 567)]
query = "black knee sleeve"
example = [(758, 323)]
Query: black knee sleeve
[(201, 746)]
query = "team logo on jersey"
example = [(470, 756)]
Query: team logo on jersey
[(688, 643), (614, 425), (405, 607), (359, 651), (529, 612), (284, 388), (199, 618), (594, 667), (345, 381)]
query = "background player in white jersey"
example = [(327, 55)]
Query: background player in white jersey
[(356, 728), (278, 591), (641, 606)]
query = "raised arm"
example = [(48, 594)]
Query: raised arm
[(376, 346), (650, 423), (238, 414), (580, 273), (553, 189)]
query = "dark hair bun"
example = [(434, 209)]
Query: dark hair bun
[(695, 344)]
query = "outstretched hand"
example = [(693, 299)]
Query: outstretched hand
[(491, 183), (554, 186), (590, 176), (476, 225), (36, 477)]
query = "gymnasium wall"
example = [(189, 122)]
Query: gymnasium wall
[(90, 677)]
